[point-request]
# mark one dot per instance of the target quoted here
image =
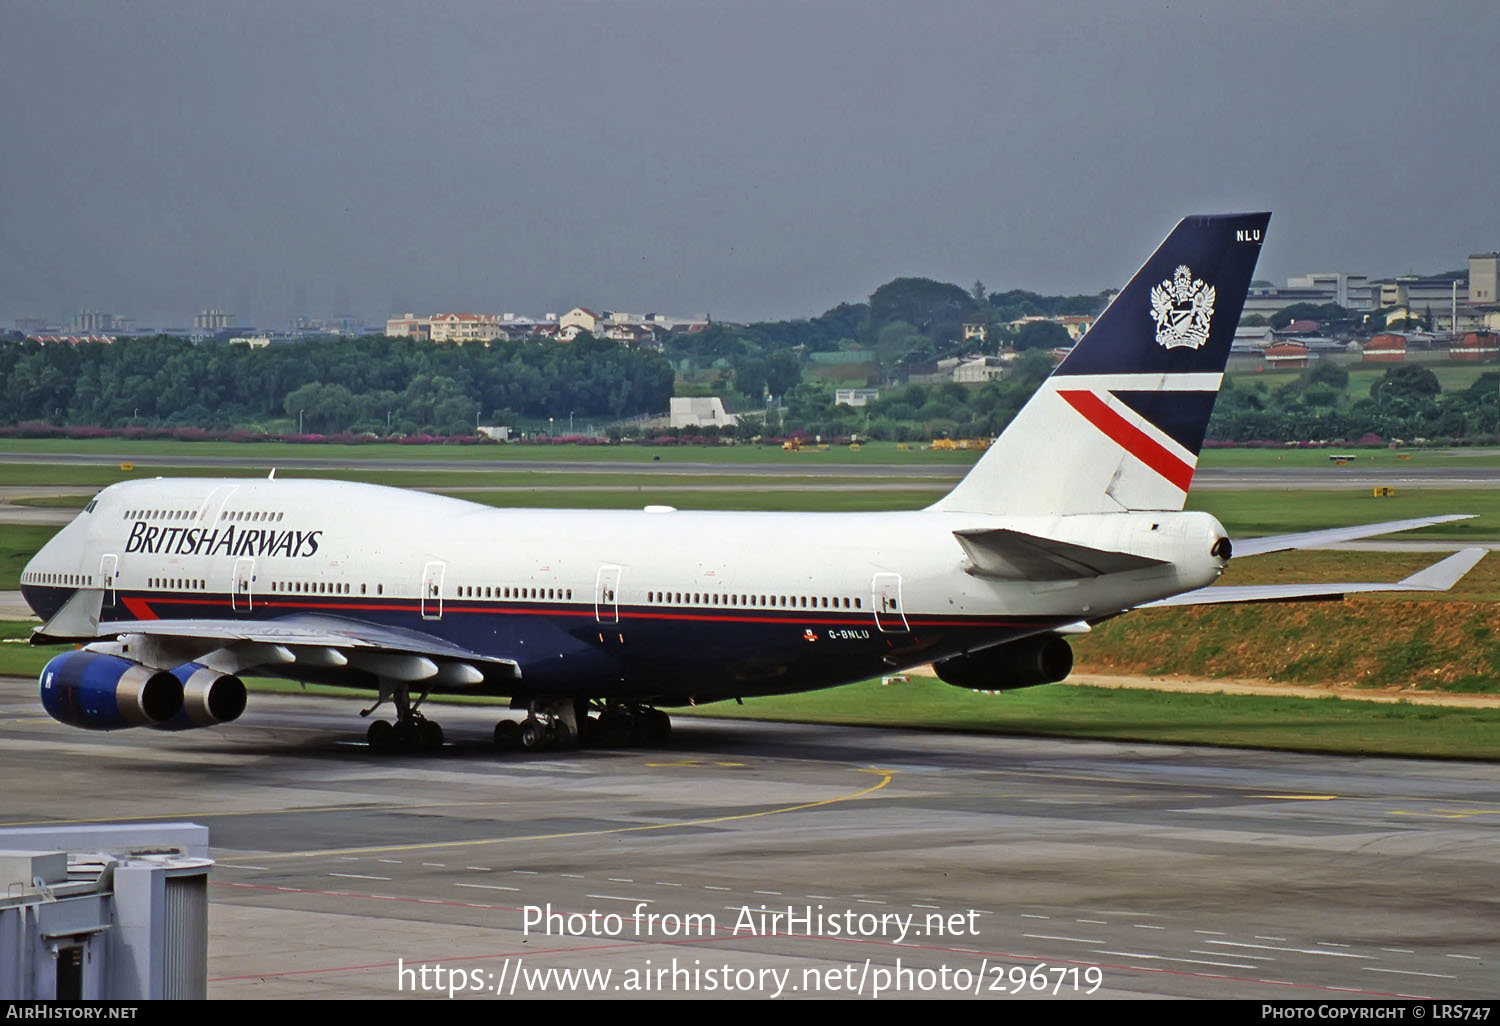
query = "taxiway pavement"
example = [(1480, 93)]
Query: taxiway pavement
[(1172, 870)]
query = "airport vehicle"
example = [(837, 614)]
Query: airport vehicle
[(592, 621)]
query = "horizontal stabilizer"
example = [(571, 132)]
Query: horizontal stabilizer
[(1440, 576), (1332, 536), (1015, 555)]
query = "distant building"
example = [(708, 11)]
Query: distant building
[(72, 340), (1252, 339), (1484, 279), (580, 318), (693, 411), (1351, 291), (30, 325), (252, 341), (1267, 300), (409, 326), (1076, 325), (90, 322), (466, 327), (855, 396), (1386, 348), (1477, 347), (1287, 354), (1420, 294), (978, 368), (976, 333), (210, 321)]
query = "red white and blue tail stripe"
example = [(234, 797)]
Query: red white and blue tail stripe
[(1120, 423)]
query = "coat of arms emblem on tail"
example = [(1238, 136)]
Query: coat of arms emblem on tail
[(1182, 307)]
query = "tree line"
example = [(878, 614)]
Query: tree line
[(370, 384)]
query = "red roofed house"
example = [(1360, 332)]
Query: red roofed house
[(1386, 348), (1287, 354), (581, 318), (1477, 347)]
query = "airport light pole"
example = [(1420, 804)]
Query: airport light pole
[(299, 422)]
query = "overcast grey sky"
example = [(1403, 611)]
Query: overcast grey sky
[(749, 159)]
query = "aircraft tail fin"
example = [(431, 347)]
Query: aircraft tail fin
[(1119, 424)]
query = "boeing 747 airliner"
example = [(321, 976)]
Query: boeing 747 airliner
[(591, 621)]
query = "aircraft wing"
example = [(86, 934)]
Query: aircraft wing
[(302, 631), (1311, 539), (1440, 576)]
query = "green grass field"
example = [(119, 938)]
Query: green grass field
[(267, 453)]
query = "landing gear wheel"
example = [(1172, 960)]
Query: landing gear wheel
[(614, 729), (534, 736), (431, 735), (381, 736), (657, 727), (507, 735), (407, 735)]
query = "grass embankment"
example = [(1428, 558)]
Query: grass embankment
[(1238, 721), (1441, 642)]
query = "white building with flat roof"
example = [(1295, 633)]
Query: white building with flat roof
[(696, 411)]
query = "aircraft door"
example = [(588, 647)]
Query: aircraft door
[(885, 600), (109, 569), (607, 595), (242, 589), (432, 590)]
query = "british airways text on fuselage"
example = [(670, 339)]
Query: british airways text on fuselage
[(200, 541)]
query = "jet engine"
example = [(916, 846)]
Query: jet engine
[(208, 697), (1019, 664), (98, 691)]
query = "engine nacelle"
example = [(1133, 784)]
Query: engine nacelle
[(1019, 664), (208, 697), (98, 691)]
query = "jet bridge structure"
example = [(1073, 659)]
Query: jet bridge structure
[(113, 913)]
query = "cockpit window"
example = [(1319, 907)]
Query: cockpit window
[(90, 507)]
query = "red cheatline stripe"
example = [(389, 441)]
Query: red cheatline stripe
[(1135, 441)]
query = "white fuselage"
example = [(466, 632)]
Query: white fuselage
[(267, 548)]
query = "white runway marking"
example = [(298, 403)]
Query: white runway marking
[(359, 876), (1166, 958), (1300, 951), (617, 897), (1238, 954), (1407, 972), (1072, 940)]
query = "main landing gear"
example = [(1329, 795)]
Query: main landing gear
[(567, 723), (412, 732)]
